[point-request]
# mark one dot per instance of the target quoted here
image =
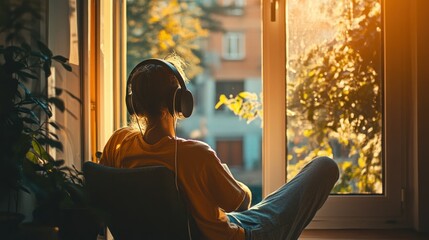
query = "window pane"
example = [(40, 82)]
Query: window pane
[(334, 89), (195, 30), (233, 46)]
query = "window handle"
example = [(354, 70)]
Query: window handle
[(274, 7)]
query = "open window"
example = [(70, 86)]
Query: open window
[(266, 149), (297, 26)]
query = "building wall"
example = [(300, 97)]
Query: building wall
[(211, 125)]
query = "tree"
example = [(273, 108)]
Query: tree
[(159, 28)]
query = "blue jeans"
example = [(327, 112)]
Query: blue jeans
[(286, 212)]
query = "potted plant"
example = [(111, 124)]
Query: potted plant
[(25, 164)]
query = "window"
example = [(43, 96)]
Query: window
[(380, 209), (335, 90), (377, 210), (230, 151), (236, 6), (233, 46)]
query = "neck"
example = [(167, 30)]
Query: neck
[(159, 129)]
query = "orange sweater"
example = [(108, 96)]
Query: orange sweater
[(210, 190)]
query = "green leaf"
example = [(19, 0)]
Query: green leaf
[(53, 135), (26, 75), (40, 151), (45, 107), (59, 163), (67, 66), (26, 47), (32, 157), (60, 59), (53, 124), (30, 120), (28, 111), (51, 142), (59, 103), (47, 67), (44, 49), (58, 91)]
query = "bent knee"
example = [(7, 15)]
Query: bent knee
[(328, 166)]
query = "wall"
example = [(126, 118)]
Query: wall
[(63, 40), (422, 118)]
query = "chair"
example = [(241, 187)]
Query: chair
[(138, 203)]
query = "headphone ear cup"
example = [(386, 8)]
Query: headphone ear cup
[(184, 103), (128, 104), (129, 101)]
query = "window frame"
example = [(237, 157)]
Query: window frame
[(238, 9), (229, 40), (274, 141), (374, 211)]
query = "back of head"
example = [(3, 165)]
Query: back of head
[(152, 87)]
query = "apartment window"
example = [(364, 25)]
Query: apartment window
[(230, 151), (233, 46), (236, 7)]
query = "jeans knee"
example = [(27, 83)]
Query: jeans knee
[(328, 165)]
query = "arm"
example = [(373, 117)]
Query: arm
[(248, 194), (247, 198)]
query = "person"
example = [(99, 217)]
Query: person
[(218, 203)]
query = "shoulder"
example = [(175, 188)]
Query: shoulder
[(195, 145), (123, 131), (122, 135), (198, 149)]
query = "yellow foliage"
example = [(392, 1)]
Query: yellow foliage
[(308, 132), (222, 100), (165, 40), (299, 150), (345, 165), (361, 160)]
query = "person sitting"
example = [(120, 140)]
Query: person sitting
[(219, 204)]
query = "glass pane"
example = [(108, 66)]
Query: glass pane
[(334, 89), (218, 69)]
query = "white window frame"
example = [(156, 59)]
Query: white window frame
[(234, 45)]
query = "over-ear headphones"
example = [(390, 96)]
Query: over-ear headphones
[(183, 102)]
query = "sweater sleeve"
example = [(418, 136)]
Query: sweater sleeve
[(222, 186)]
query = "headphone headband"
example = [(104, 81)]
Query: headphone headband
[(182, 102)]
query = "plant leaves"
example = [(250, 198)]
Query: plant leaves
[(45, 107), (67, 66), (59, 91), (30, 120), (44, 49), (53, 124), (59, 163), (24, 74), (59, 103), (26, 47), (51, 142), (40, 151), (47, 67), (28, 111), (60, 58)]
